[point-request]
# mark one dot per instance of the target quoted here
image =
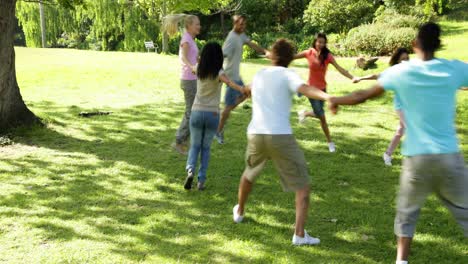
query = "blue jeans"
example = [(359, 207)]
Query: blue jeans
[(203, 126)]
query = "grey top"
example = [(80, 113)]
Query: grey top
[(208, 94), (232, 50)]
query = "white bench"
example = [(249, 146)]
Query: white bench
[(150, 45)]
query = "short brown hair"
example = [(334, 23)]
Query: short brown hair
[(283, 52), (236, 18)]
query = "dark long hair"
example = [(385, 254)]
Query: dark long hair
[(211, 61), (325, 51), (396, 56)]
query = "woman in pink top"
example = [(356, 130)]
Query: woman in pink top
[(188, 54), (318, 57)]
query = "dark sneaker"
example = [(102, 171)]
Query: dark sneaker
[(220, 138), (201, 186), (188, 180)]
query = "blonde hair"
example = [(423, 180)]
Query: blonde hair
[(171, 22)]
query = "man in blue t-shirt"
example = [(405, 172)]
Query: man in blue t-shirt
[(426, 88)]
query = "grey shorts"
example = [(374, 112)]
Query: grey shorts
[(443, 174), (286, 155)]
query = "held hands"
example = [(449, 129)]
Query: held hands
[(194, 68), (247, 90), (333, 104)]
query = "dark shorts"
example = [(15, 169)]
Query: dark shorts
[(317, 106), (232, 95)]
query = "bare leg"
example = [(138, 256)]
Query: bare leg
[(227, 112), (323, 124), (399, 133), (302, 206), (224, 117), (403, 248), (245, 187)]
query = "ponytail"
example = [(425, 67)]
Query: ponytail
[(171, 22)]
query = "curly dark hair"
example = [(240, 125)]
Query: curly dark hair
[(283, 52), (396, 56), (211, 61)]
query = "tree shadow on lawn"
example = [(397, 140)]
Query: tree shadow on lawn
[(161, 219)]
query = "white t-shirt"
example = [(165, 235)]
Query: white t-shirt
[(272, 91)]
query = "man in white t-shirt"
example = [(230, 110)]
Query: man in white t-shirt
[(270, 135), (232, 50)]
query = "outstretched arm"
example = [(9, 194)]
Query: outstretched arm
[(258, 49), (300, 55), (223, 77), (343, 71), (357, 97), (464, 88), (365, 78)]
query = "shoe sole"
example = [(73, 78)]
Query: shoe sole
[(188, 182), (305, 244)]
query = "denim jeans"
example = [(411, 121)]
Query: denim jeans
[(203, 126)]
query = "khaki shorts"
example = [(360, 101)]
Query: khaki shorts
[(443, 174), (286, 155)]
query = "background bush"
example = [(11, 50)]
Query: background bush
[(338, 16), (377, 39)]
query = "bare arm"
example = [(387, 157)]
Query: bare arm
[(365, 78), (464, 89), (223, 77), (300, 55), (257, 48), (357, 97), (314, 93), (342, 71), (185, 60)]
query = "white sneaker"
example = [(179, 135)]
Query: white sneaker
[(235, 216), (387, 159), (331, 147), (306, 240), (301, 115)]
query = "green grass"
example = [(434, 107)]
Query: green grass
[(108, 189)]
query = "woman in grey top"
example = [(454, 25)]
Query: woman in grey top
[(204, 118)]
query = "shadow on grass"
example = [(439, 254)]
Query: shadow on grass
[(142, 211)]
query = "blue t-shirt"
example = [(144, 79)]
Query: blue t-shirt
[(426, 91), (396, 102)]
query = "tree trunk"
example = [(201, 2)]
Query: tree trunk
[(13, 111), (223, 29), (165, 37), (43, 25)]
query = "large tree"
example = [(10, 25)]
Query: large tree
[(13, 110)]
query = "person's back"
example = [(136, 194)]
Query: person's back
[(272, 92), (427, 91), (208, 95), (426, 88)]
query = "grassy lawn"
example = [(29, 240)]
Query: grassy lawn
[(108, 189)]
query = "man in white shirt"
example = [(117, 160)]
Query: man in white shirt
[(270, 135), (232, 50)]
